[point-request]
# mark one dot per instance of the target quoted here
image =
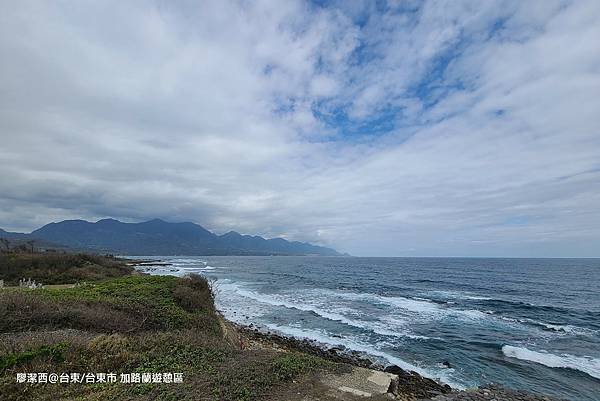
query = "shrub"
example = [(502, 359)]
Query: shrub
[(53, 353), (134, 324), (291, 365), (194, 292), (54, 268), (124, 305)]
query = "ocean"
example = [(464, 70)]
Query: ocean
[(529, 324)]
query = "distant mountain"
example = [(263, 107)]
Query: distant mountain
[(17, 239), (10, 235), (158, 237)]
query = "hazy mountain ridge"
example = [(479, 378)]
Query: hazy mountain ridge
[(11, 235), (158, 237)]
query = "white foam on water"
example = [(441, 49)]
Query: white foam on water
[(333, 305), (554, 329), (355, 345), (585, 364), (384, 330), (196, 268), (396, 325), (474, 314), (460, 295), (477, 298), (408, 304), (275, 300), (335, 315), (233, 306), (419, 308), (185, 261), (568, 329)]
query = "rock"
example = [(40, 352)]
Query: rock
[(393, 387), (395, 370), (493, 392), (414, 385)]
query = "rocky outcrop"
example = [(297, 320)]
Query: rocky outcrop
[(365, 379), (413, 386), (333, 354)]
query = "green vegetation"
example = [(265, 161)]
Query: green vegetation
[(52, 351), (59, 268), (124, 305), (134, 324)]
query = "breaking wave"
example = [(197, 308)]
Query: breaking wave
[(276, 300), (585, 364)]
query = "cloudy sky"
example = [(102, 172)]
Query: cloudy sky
[(399, 128)]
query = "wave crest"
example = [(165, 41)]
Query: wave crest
[(585, 364)]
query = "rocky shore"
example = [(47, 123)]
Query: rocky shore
[(493, 393), (125, 321), (405, 385)]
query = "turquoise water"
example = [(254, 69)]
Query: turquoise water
[(526, 323)]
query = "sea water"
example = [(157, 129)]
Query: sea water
[(530, 324)]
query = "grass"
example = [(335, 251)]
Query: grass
[(54, 352), (58, 268), (139, 324)]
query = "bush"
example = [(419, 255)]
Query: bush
[(54, 268), (291, 365), (194, 292), (124, 305), (134, 324), (24, 310), (54, 353)]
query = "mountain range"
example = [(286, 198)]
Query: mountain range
[(158, 237)]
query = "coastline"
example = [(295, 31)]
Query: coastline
[(106, 315), (410, 385)]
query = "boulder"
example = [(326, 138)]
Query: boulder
[(414, 385)]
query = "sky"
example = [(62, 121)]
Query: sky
[(399, 128)]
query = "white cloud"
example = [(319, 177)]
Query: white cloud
[(243, 116)]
